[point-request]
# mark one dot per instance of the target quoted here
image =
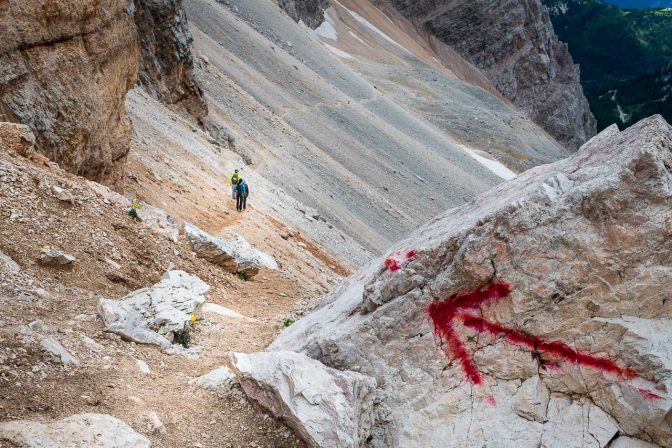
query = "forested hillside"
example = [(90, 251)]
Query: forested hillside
[(625, 57)]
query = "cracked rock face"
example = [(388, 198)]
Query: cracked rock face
[(166, 64), (310, 12), (65, 68), (550, 310), (513, 43)]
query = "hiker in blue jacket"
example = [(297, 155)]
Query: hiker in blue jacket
[(242, 191)]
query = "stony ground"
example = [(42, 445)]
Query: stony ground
[(115, 255)]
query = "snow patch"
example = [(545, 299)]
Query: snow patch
[(373, 28), (357, 37), (493, 165), (337, 52), (326, 29)]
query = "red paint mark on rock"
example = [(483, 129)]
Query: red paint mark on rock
[(491, 401), (411, 254), (555, 348), (462, 307), (649, 394), (392, 264), (444, 313)]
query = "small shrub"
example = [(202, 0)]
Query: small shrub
[(183, 337), (287, 322), (133, 213), (241, 276)]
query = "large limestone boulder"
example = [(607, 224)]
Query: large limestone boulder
[(65, 70), (327, 408), (235, 255), (154, 315), (562, 273), (76, 431)]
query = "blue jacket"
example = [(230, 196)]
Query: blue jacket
[(241, 188)]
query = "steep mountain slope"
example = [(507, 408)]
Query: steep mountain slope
[(514, 44), (625, 58), (373, 152)]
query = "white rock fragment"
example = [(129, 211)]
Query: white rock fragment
[(629, 442), (142, 366), (155, 424), (62, 194), (55, 257), (77, 431), (54, 350), (9, 264), (531, 400), (91, 344), (221, 311), (326, 407), (36, 325), (218, 378), (153, 315)]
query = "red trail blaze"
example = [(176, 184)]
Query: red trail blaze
[(392, 264), (444, 313), (462, 306)]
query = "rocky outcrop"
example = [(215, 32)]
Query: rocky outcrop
[(156, 315), (327, 408), (310, 12), (64, 72), (235, 255), (562, 273), (76, 430), (166, 64), (514, 44)]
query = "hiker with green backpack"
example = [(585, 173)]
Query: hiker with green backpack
[(235, 177)]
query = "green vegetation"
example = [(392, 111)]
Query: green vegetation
[(287, 322), (625, 57), (133, 213), (183, 337), (241, 276)]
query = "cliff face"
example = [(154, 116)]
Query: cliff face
[(166, 64), (311, 12), (65, 68), (513, 42)]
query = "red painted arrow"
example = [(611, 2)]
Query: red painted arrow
[(463, 306)]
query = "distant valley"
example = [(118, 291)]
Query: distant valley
[(625, 56)]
